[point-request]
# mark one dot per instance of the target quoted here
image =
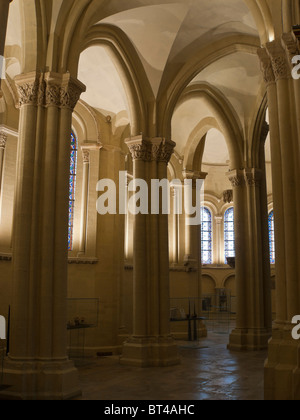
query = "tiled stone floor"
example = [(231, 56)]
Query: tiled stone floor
[(208, 371)]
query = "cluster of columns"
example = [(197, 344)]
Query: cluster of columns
[(37, 365), (253, 279), (282, 370), (151, 343)]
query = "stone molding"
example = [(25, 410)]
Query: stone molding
[(5, 257), (253, 177), (250, 177), (151, 150), (3, 140), (281, 68), (236, 178), (48, 89), (228, 196), (86, 156), (266, 66), (83, 261)]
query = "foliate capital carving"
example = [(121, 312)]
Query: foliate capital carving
[(138, 148), (161, 150), (49, 89), (266, 66), (280, 62), (250, 177), (253, 177), (28, 89), (3, 140), (149, 150), (236, 178)]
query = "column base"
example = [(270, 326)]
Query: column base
[(150, 352), (282, 368), (249, 340), (40, 380)]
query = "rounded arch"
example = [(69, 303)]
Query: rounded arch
[(211, 203), (130, 69), (171, 91), (209, 283), (222, 118), (86, 123), (229, 283)]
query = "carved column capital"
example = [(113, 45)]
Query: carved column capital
[(161, 150), (280, 62), (266, 66), (28, 86), (48, 89), (236, 177), (62, 91), (139, 148), (149, 150), (253, 177)]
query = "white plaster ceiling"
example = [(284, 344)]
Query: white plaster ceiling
[(186, 118), (105, 90), (164, 34), (238, 77), (215, 151)]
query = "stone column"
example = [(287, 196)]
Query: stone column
[(151, 343), (282, 369), (3, 140), (219, 239), (253, 322), (193, 257), (84, 198), (176, 192), (37, 366)]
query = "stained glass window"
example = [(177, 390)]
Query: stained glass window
[(72, 187), (272, 237), (229, 236), (206, 236)]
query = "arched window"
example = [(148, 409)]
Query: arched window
[(206, 236), (229, 236), (72, 187), (272, 237)]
